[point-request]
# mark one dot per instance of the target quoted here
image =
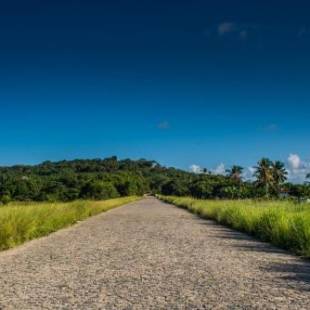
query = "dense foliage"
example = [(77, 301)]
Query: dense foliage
[(110, 178), (70, 180)]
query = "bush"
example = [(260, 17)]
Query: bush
[(5, 199)]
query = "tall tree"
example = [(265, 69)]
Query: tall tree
[(279, 175), (264, 175)]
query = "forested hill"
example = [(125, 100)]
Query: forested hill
[(110, 177), (86, 179)]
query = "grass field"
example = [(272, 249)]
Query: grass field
[(283, 223), (25, 221)]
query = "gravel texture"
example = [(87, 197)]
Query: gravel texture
[(151, 255)]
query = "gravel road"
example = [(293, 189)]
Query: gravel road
[(151, 255)]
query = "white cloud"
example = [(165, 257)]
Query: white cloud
[(297, 169), (252, 170), (248, 173), (294, 161), (226, 27), (220, 169), (195, 169)]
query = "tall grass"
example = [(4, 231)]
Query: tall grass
[(22, 222), (283, 223)]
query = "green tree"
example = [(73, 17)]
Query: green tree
[(264, 175), (175, 187), (99, 190), (201, 188), (279, 175), (26, 188)]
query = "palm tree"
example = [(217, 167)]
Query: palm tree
[(279, 174), (235, 173), (264, 174)]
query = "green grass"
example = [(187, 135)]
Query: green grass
[(283, 223), (22, 222)]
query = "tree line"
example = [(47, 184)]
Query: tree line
[(111, 178)]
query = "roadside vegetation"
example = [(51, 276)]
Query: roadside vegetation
[(285, 224), (100, 179), (35, 199), (21, 222)]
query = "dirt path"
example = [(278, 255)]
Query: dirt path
[(149, 255)]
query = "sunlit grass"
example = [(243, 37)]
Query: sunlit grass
[(283, 223), (22, 222)]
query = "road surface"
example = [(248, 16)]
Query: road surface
[(151, 255)]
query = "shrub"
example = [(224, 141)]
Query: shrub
[(5, 199)]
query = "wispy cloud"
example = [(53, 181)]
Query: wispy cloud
[(271, 127), (226, 27), (163, 125), (303, 32), (234, 30), (239, 31), (243, 34)]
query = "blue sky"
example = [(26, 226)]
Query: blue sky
[(181, 82)]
